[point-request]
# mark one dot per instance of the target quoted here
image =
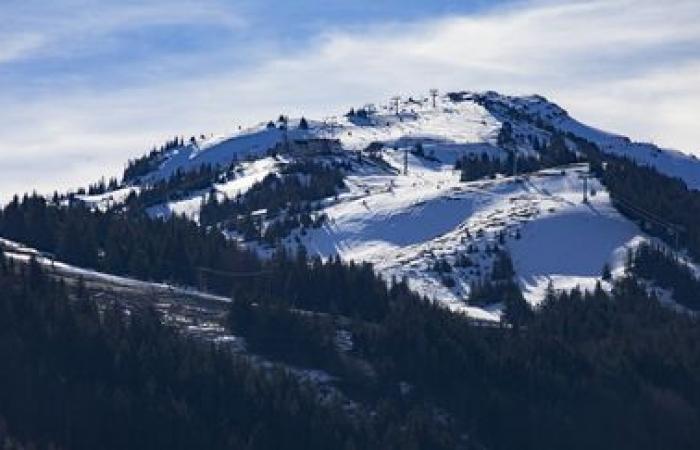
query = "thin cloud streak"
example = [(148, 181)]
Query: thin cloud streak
[(71, 27)]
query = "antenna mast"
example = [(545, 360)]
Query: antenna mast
[(285, 124), (585, 177), (396, 100), (434, 94)]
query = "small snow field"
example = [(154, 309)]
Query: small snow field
[(247, 174), (569, 243), (220, 150), (102, 202)]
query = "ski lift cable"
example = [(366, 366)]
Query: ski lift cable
[(647, 214), (233, 274)]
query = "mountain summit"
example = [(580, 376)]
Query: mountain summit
[(453, 193)]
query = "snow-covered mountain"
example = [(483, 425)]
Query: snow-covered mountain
[(405, 209), (458, 123)]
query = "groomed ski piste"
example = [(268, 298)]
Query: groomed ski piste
[(408, 223), (413, 211)]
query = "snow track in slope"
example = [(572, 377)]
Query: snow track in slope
[(430, 215)]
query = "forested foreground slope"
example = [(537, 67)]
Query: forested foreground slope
[(483, 272), (585, 371)]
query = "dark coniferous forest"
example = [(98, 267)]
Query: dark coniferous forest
[(587, 371), (584, 370)]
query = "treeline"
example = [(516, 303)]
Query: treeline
[(176, 187), (288, 198), (149, 162), (123, 243), (551, 154), (292, 190), (639, 191), (100, 187), (474, 167), (644, 194), (501, 287), (174, 250), (664, 268)]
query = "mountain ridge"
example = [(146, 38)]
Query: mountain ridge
[(401, 202), (534, 114)]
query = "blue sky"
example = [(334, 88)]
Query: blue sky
[(90, 44), (87, 84)]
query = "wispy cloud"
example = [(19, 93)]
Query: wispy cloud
[(16, 45), (625, 65), (61, 28)]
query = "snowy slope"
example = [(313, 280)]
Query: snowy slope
[(247, 174), (458, 123), (535, 108), (450, 129), (406, 223), (104, 201), (220, 150), (569, 244), (22, 253)]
